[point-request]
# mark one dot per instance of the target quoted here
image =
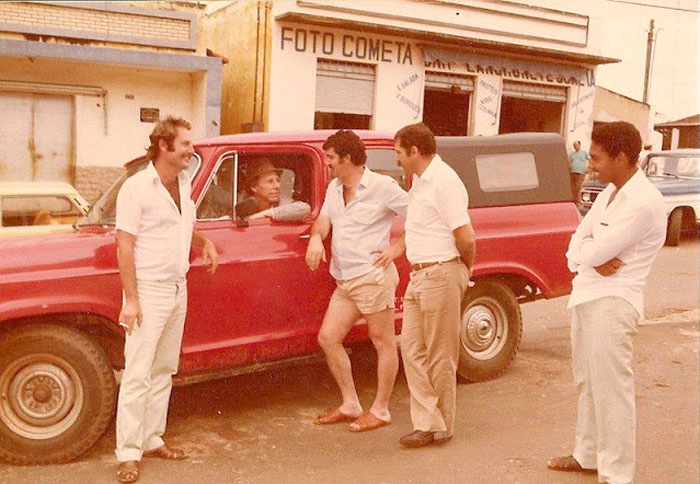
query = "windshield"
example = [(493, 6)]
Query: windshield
[(686, 166), (104, 211)]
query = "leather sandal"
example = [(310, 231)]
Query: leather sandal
[(165, 452), (368, 421), (568, 463), (128, 471), (333, 416)]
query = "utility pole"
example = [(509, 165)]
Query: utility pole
[(647, 69)]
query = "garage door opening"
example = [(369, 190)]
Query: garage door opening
[(532, 107), (446, 102)]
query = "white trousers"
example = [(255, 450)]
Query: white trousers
[(152, 354), (601, 342)]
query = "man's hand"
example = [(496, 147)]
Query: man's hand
[(130, 316), (210, 256), (610, 267), (384, 257), (315, 253)]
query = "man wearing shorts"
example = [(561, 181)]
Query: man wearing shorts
[(360, 206)]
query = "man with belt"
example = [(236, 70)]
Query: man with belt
[(155, 217), (611, 252), (360, 205), (440, 246)]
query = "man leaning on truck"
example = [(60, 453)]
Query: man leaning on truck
[(155, 217), (360, 205)]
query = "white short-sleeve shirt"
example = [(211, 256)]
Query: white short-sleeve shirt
[(364, 224), (146, 210), (437, 205)]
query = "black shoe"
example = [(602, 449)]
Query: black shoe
[(420, 438)]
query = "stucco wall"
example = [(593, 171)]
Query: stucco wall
[(238, 33), (610, 106)]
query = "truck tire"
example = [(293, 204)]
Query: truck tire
[(673, 229), (490, 331), (57, 392)]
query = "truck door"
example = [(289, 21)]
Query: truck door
[(263, 303)]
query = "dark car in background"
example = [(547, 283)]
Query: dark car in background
[(676, 173)]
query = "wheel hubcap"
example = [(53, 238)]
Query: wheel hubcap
[(41, 396), (483, 329)]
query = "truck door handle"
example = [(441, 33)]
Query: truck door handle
[(305, 236)]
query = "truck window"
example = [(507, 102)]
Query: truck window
[(506, 172), (384, 161), (219, 201)]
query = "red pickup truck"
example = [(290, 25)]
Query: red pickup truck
[(60, 343)]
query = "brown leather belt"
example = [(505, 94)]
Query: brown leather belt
[(423, 265)]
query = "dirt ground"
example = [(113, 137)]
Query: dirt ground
[(257, 429)]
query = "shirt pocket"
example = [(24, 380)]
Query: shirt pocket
[(364, 213)]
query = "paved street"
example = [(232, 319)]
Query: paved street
[(258, 429)]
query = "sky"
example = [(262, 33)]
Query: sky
[(620, 29)]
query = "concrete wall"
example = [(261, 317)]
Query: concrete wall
[(115, 59), (238, 32), (610, 106)]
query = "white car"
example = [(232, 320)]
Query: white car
[(39, 207), (676, 173)]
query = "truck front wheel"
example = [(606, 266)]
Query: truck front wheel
[(57, 394), (490, 331)]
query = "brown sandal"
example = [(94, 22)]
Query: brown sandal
[(568, 464), (368, 421), (333, 416), (165, 452), (128, 471)]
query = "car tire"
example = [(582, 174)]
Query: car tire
[(58, 394), (673, 229), (490, 331)]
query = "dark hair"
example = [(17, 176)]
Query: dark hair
[(165, 129), (618, 137), (418, 135), (345, 142)]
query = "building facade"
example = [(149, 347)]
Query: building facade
[(474, 67), (82, 83)]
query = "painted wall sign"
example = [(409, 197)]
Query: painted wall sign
[(351, 46), (411, 97), (456, 61)]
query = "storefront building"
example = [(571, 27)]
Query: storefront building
[(82, 84), (464, 68)]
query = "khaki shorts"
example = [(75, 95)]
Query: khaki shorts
[(370, 293)]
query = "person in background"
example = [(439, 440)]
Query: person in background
[(360, 206), (611, 253), (440, 246), (155, 229), (578, 167)]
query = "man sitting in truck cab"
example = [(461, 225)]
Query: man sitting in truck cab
[(263, 185)]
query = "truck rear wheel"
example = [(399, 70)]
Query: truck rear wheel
[(490, 331), (57, 394)]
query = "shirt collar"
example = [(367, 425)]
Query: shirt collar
[(155, 177), (364, 181), (632, 184), (432, 168)]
